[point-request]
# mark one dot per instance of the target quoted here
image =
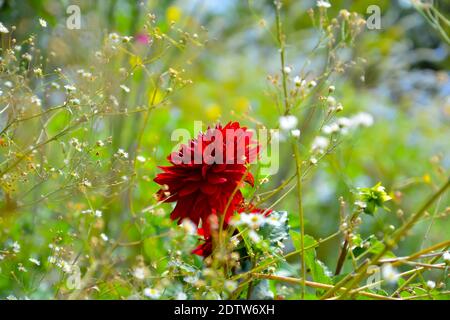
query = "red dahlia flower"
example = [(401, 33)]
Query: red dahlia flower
[(205, 175)]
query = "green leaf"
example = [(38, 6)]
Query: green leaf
[(317, 269), (278, 229)]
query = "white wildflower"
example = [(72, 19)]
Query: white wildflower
[(16, 247), (331, 101), (181, 296), (98, 213), (21, 268), (363, 119), (114, 37), (188, 226), (295, 133), (230, 285), (390, 274), (446, 256), (104, 237), (323, 4), (43, 23), (55, 85), (288, 122), (51, 259), (234, 241), (299, 82), (254, 236), (319, 144), (75, 101), (86, 183), (70, 88), (330, 128), (152, 293), (35, 261), (140, 158), (140, 273), (312, 84), (121, 153), (287, 70), (125, 88), (3, 29), (431, 284), (27, 56), (255, 220), (35, 100)]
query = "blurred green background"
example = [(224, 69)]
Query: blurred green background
[(404, 83)]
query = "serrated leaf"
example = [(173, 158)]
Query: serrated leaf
[(318, 270), (278, 229)]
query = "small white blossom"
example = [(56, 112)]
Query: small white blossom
[(312, 84), (288, 122), (255, 220), (121, 153), (330, 128), (35, 261), (431, 284), (3, 29), (70, 88), (16, 247), (75, 101), (188, 226), (181, 296), (287, 70), (319, 144), (323, 4), (35, 100), (51, 259), (125, 88), (363, 119), (43, 23), (139, 273), (230, 285), (299, 82), (295, 133), (152, 293), (114, 37), (446, 256), (254, 236), (55, 85), (27, 56), (86, 183), (21, 268), (140, 158), (390, 274), (331, 101), (104, 237)]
